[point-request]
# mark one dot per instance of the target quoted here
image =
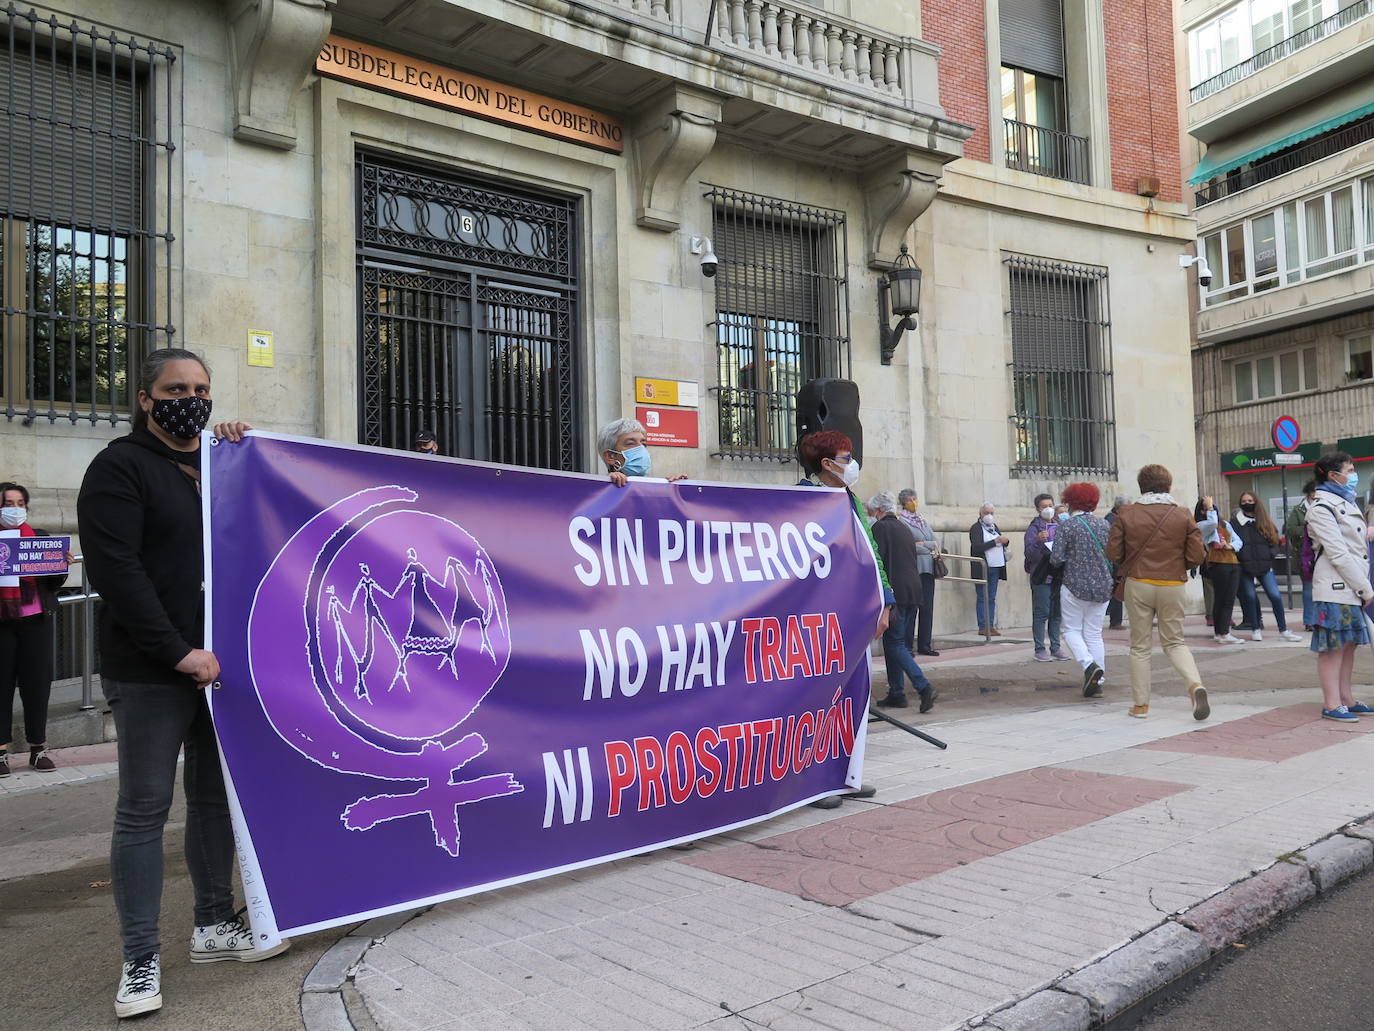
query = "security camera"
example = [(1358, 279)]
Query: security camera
[(702, 245), (1204, 271)]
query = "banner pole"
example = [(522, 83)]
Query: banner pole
[(875, 713)]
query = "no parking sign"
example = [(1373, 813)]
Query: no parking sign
[(1286, 434)]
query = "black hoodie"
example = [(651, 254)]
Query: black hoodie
[(139, 519)]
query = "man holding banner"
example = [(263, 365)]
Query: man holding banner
[(140, 522)]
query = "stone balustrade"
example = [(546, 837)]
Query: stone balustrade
[(802, 37), (659, 9)]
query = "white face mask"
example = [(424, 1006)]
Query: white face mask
[(988, 520), (851, 472), (11, 518), (1047, 513)]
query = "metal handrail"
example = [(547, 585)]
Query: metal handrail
[(973, 559), (86, 599), (1280, 50), (1047, 152)]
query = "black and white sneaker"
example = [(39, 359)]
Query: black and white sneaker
[(231, 940), (1092, 680), (140, 987)]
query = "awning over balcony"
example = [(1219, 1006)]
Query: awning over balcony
[(1220, 160)]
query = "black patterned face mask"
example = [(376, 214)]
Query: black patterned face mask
[(182, 417)]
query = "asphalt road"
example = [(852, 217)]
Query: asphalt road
[(1309, 972)]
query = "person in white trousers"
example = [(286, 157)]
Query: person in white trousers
[(1080, 550)]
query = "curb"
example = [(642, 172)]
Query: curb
[(1095, 995), (329, 1002)]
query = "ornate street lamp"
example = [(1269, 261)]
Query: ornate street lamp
[(899, 294)]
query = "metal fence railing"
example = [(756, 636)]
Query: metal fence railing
[(1320, 147), (1047, 152), (1280, 50)]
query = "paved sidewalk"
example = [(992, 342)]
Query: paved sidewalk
[(1040, 842)]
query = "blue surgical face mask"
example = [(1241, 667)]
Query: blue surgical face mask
[(1063, 516), (1352, 483), (637, 461)]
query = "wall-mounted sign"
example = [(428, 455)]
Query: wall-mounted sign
[(1261, 459), (261, 348), (1357, 448), (669, 427), (411, 77), (1285, 433), (681, 393)]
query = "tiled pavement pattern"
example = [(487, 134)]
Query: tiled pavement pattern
[(861, 855), (657, 942)]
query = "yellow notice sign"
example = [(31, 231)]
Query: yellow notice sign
[(261, 349), (679, 392)]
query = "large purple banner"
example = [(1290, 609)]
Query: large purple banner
[(441, 677)]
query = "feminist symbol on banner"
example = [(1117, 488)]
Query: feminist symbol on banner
[(4, 554), (401, 649)]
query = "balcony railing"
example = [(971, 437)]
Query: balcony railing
[(815, 42), (1280, 164), (1047, 152), (1291, 45)]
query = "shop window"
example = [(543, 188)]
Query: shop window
[(1064, 420), (86, 127), (1359, 358), (782, 315)]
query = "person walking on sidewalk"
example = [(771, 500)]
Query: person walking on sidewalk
[(1260, 538), (1080, 550), (1293, 529), (1221, 567), (990, 544), (897, 550), (27, 605), (1154, 544), (1114, 613), (1340, 583), (1045, 585), (918, 638), (140, 521)]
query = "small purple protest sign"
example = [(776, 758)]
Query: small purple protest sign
[(33, 556), (441, 677)]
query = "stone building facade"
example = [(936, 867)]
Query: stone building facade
[(1280, 114), (488, 218)]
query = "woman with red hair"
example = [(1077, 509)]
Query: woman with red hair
[(1080, 551)]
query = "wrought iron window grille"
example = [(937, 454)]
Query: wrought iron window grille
[(1063, 420), (1047, 152), (89, 123), (467, 319), (782, 315)]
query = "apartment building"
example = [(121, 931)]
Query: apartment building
[(1280, 103), (491, 219)]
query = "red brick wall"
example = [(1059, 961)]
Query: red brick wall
[(1142, 104), (957, 26)]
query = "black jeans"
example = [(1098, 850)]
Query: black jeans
[(1225, 579), (154, 722), (918, 634), (25, 661)]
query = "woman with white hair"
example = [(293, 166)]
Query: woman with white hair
[(624, 447), (897, 549)]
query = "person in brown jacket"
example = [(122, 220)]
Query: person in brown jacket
[(1154, 543)]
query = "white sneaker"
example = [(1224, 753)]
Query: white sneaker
[(140, 987), (1229, 639), (230, 940), (1288, 635), (1257, 635)]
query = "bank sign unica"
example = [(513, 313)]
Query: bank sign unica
[(1261, 459), (379, 69)]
